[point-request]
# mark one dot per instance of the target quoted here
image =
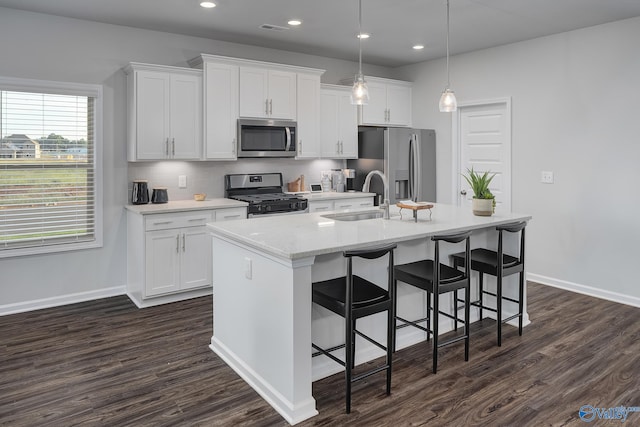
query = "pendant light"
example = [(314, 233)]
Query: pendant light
[(448, 101), (360, 91)]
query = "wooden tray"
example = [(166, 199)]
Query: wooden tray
[(415, 209)]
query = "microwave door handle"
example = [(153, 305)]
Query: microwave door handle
[(287, 131)]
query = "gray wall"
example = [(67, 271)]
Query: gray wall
[(574, 112), (47, 47)]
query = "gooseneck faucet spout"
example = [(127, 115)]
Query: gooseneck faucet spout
[(367, 183)]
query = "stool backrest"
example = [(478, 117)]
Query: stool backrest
[(514, 227), (451, 238)]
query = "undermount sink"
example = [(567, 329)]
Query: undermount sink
[(354, 216)]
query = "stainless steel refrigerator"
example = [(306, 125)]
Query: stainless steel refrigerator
[(406, 156)]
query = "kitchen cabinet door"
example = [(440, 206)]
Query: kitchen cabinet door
[(185, 126), (338, 123), (389, 103), (375, 112), (152, 100), (267, 93), (220, 111), (165, 113), (195, 258), (162, 262), (308, 104), (398, 105)]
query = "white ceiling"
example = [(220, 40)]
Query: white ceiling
[(329, 26)]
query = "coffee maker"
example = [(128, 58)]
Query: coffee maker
[(349, 175)]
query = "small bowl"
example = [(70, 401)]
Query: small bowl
[(199, 197)]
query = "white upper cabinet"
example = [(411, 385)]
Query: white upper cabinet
[(308, 104), (267, 93), (389, 103), (338, 123), (164, 112), (220, 111)]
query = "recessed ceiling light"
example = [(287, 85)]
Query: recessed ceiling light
[(418, 47), (363, 36), (294, 22), (207, 4)]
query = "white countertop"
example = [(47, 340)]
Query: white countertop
[(300, 236), (185, 205)]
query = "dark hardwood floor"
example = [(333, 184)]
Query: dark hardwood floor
[(107, 363)]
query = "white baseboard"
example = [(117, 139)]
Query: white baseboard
[(586, 290), (56, 301)]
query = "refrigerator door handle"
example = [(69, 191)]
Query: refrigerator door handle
[(411, 169), (417, 168)]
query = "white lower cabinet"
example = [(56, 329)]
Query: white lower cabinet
[(340, 204), (169, 254)]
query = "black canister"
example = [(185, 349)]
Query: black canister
[(159, 195), (140, 192)]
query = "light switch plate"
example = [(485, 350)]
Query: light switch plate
[(182, 181), (546, 177)]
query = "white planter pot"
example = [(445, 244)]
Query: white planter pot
[(482, 207)]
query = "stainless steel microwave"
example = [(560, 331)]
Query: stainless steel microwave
[(266, 138)]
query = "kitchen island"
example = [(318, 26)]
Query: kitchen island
[(263, 268)]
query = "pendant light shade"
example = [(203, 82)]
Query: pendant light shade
[(448, 101), (359, 91)]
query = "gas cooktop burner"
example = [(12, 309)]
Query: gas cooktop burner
[(264, 194)]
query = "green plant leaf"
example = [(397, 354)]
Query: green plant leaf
[(479, 183)]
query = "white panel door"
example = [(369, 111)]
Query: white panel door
[(152, 115), (220, 110), (254, 92), (195, 268), (484, 144), (282, 95), (162, 262)]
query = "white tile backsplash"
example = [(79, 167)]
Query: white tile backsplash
[(208, 177)]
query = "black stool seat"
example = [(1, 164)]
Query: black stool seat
[(331, 294), (353, 297), (420, 274), (498, 264), (436, 281)]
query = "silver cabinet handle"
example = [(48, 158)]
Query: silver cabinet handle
[(231, 216), (162, 222), (178, 243), (266, 106), (270, 106), (389, 115), (321, 208), (299, 146), (233, 146), (173, 146), (184, 241), (338, 147), (166, 147)]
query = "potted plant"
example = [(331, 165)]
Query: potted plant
[(484, 202)]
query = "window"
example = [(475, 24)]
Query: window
[(49, 180)]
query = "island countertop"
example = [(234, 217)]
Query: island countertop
[(299, 236)]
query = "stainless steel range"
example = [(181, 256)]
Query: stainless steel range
[(264, 194)]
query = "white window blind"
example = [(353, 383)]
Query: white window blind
[(47, 170)]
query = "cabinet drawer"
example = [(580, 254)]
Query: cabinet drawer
[(177, 220), (353, 203), (230, 214), (321, 206)]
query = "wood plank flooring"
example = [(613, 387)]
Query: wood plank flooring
[(107, 363)]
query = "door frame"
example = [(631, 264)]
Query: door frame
[(456, 139)]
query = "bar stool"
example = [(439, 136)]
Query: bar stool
[(437, 281), (353, 297), (499, 265)]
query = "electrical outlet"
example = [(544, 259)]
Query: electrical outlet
[(182, 181), (546, 177)]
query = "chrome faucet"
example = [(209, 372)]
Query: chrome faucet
[(365, 189)]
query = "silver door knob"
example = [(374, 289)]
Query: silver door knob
[(463, 192)]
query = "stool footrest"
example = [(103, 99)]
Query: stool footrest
[(413, 323), (326, 353), (369, 373), (515, 316), (453, 340), (371, 340)]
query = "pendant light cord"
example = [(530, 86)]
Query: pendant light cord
[(360, 37), (447, 44)]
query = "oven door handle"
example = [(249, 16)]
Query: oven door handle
[(287, 131)]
